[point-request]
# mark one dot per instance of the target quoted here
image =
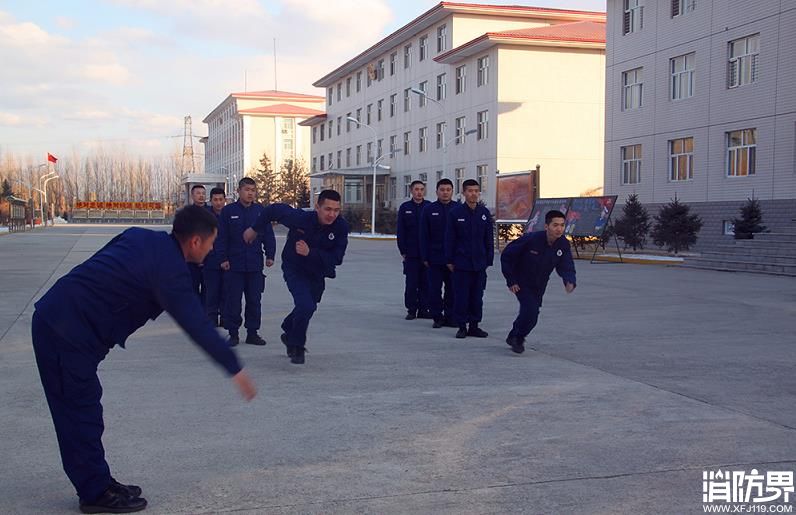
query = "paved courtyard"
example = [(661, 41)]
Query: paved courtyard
[(635, 384)]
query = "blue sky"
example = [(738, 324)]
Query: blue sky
[(122, 74)]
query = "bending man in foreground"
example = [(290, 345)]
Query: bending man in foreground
[(316, 244), (527, 263), (99, 304)]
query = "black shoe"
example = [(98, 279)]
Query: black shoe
[(288, 348), (410, 316), (112, 501), (233, 340), (131, 490), (297, 358), (461, 333), (517, 344), (477, 332), (252, 338), (437, 323)]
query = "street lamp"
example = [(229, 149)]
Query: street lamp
[(375, 162), (423, 94), (42, 194), (44, 187)]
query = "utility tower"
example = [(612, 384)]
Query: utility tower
[(188, 165)]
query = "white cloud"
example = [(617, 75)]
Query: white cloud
[(113, 73), (65, 22)]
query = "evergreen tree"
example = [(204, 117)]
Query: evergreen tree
[(750, 221), (267, 182), (293, 180), (305, 195), (7, 190), (675, 228), (634, 225)]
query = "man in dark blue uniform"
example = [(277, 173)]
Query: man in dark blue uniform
[(197, 199), (469, 250), (243, 263), (316, 244), (527, 263), (97, 305), (433, 223), (211, 269), (408, 236)]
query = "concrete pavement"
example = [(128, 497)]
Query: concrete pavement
[(636, 383)]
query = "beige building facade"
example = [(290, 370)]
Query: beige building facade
[(467, 92), (700, 104), (249, 124)]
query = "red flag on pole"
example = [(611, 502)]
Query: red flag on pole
[(51, 158)]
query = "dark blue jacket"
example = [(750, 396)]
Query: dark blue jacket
[(468, 238), (132, 279), (528, 262), (213, 259), (243, 257), (327, 242), (408, 227), (433, 223)]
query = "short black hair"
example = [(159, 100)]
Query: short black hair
[(217, 191), (470, 182), (442, 182), (196, 187), (328, 195), (247, 181), (412, 185), (554, 213), (193, 221)]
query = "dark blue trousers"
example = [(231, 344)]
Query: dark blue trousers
[(197, 281), (440, 306), (307, 293), (214, 292), (243, 284), (468, 297), (69, 376), (416, 290), (530, 302)]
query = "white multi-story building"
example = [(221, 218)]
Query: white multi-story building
[(504, 89), (701, 104), (247, 125)]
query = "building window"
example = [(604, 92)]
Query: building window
[(288, 138), (407, 135), (423, 87), (681, 159), (458, 173), (314, 163), (393, 187), (359, 116), (460, 128), (348, 156), (329, 158), (441, 87), (339, 124), (682, 69), (422, 45), (348, 122), (680, 7), (392, 105), (393, 146), (422, 137), (442, 36), (322, 163), (379, 148), (371, 74), (330, 124), (408, 55), (742, 67), (483, 71), (379, 106), (631, 164), (370, 152), (380, 70), (741, 149), (359, 155), (348, 87), (339, 159), (728, 227), (353, 187), (368, 111), (393, 59), (423, 177), (633, 19), (407, 185), (323, 131), (329, 93), (439, 175), (407, 100), (632, 89), (461, 79), (315, 134), (483, 124), (440, 134), (339, 91), (359, 82), (481, 174)]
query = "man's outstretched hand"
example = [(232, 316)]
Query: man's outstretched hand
[(249, 235), (245, 385)]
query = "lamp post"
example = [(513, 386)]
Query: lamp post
[(42, 193), (423, 94), (227, 193), (375, 161), (44, 187)]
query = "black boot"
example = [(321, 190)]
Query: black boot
[(113, 501), (517, 344), (476, 331), (297, 358), (462, 332), (131, 490), (288, 348), (233, 339), (437, 323), (252, 338), (411, 315)]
